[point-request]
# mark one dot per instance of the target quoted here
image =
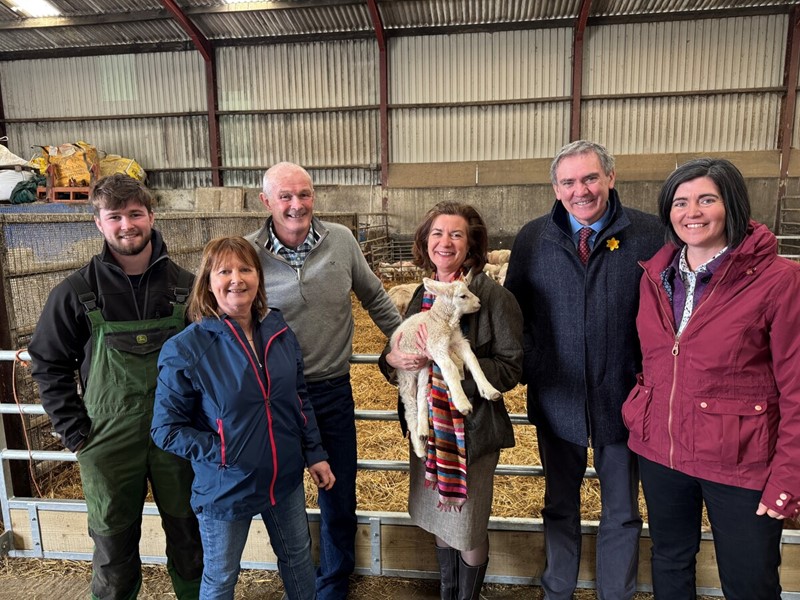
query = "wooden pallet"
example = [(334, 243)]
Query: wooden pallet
[(73, 195)]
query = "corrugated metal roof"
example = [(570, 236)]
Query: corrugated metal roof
[(94, 7), (270, 23), (427, 13), (638, 7), (494, 94), (111, 34), (85, 23)]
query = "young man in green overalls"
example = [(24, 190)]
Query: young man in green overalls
[(110, 319)]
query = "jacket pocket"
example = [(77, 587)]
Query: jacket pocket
[(636, 410), (487, 429), (731, 433)]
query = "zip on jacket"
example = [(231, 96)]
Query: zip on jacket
[(667, 310), (265, 394)]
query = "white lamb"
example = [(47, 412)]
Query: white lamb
[(444, 337)]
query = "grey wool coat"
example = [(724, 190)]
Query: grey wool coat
[(581, 347)]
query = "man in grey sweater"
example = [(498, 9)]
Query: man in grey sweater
[(310, 268)]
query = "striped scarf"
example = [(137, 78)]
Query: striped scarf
[(446, 460)]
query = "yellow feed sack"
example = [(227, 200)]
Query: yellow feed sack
[(71, 163), (114, 163)]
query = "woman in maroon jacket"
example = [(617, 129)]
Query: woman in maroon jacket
[(716, 415)]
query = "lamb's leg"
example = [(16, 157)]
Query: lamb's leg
[(451, 378), (485, 389), (408, 395), (422, 411)]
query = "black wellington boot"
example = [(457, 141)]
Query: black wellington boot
[(448, 572), (470, 580)]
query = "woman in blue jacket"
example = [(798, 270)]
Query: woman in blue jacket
[(231, 398)]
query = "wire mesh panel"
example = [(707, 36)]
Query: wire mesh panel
[(373, 237), (39, 249), (397, 262)]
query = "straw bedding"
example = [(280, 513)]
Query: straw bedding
[(377, 491)]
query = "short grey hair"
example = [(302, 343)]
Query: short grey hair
[(582, 147), (269, 176)]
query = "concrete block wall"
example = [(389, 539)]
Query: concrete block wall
[(507, 193), (219, 199), (505, 208)]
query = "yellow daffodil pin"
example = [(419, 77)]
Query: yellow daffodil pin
[(612, 244)]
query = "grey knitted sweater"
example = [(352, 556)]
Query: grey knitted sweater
[(316, 301)]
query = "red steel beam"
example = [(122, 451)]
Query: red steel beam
[(3, 131), (380, 34), (789, 105), (206, 50), (577, 70)]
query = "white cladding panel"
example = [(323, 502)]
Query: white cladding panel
[(294, 76), (421, 135), (477, 67), (313, 139), (159, 143), (675, 56), (431, 77), (125, 84), (718, 123), (483, 67)]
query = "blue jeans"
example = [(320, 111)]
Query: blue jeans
[(620, 522), (748, 547), (287, 526), (334, 408)]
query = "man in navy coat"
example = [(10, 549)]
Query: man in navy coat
[(575, 275)]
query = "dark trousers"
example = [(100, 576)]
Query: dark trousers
[(620, 522), (116, 464), (334, 408), (747, 546)]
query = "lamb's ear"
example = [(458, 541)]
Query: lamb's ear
[(433, 286), (468, 278)]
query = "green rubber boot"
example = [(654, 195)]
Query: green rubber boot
[(185, 589)]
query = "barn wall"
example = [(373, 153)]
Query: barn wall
[(483, 96), (474, 116)]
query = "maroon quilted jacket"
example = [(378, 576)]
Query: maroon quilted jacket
[(722, 402)]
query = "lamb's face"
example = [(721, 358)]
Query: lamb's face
[(465, 301)]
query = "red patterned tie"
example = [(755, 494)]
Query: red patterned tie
[(583, 244)]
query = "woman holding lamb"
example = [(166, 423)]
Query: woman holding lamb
[(450, 492)]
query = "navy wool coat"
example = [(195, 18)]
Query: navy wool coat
[(581, 346)]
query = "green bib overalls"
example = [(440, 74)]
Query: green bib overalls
[(119, 458)]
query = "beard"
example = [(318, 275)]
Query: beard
[(125, 249)]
